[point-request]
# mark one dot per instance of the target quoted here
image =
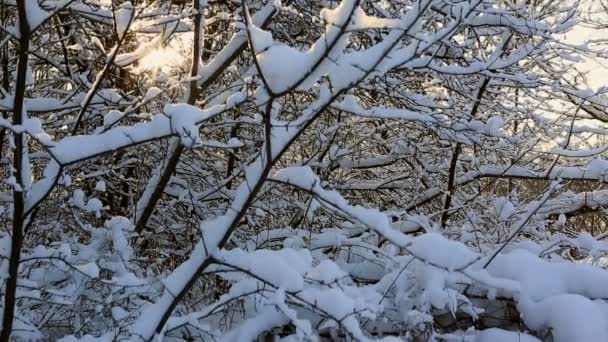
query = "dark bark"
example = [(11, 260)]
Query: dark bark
[(100, 77), (5, 75), (175, 149), (456, 154), (269, 163), (18, 193), (175, 155)]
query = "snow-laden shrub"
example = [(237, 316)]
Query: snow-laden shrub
[(421, 170)]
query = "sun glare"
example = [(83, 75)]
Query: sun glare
[(159, 59)]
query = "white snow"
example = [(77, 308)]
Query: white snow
[(540, 279), (499, 335), (436, 249), (100, 186), (354, 157), (284, 67), (570, 317), (123, 18)]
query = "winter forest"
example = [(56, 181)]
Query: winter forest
[(303, 170)]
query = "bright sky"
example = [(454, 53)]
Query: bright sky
[(597, 69)]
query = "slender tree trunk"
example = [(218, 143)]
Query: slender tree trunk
[(451, 181), (147, 205), (5, 73), (515, 131), (176, 149), (231, 157), (456, 154), (20, 186), (120, 39)]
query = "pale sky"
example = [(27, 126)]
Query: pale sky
[(597, 68)]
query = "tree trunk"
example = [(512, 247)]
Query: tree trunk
[(20, 183)]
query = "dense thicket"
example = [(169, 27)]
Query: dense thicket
[(418, 170)]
